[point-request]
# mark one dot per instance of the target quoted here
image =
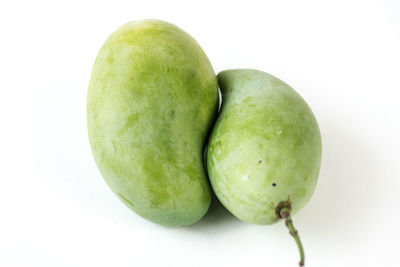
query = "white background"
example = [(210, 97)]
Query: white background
[(343, 57)]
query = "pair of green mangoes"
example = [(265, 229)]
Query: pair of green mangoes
[(151, 107)]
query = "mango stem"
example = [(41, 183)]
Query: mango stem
[(285, 214)]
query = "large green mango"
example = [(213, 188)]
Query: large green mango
[(152, 99), (265, 149)]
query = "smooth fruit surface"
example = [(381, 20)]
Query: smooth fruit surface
[(152, 99), (265, 147)]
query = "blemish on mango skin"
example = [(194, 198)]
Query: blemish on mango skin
[(125, 199), (114, 146), (172, 114)]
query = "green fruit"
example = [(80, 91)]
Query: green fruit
[(264, 153), (265, 147), (152, 99)]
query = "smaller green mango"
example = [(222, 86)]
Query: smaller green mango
[(264, 152)]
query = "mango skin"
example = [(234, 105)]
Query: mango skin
[(152, 98), (264, 148)]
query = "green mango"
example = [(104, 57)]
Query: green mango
[(264, 152), (151, 102)]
